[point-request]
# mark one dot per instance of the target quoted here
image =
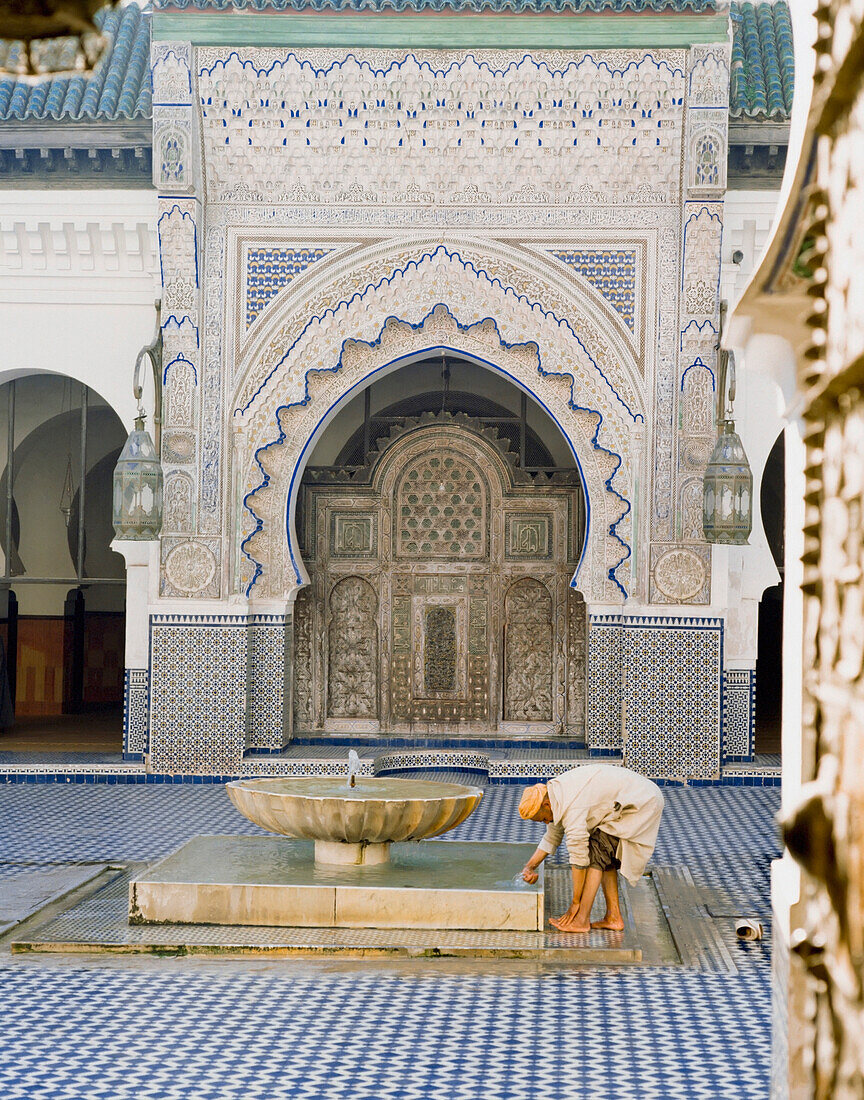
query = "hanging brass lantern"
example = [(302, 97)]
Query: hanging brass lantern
[(138, 487), (137, 512), (727, 496), (727, 488)]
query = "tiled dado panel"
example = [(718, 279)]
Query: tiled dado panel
[(268, 683), (739, 714), (603, 720), (671, 687), (197, 692), (136, 713)]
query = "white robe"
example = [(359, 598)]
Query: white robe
[(615, 800)]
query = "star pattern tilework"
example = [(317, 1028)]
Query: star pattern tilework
[(193, 1029)]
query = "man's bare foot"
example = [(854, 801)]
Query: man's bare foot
[(569, 924), (610, 924)]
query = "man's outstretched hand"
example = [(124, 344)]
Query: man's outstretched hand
[(529, 874)]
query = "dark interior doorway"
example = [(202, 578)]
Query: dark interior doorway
[(769, 661)]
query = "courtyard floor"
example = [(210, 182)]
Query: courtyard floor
[(141, 1028)]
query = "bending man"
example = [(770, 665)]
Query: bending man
[(610, 817)]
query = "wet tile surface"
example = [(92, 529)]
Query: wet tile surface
[(90, 1027)]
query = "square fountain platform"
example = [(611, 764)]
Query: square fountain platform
[(273, 881)]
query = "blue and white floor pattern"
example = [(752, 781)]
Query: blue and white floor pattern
[(191, 1029)]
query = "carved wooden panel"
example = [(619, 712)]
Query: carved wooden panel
[(439, 666), (441, 508), (353, 650), (528, 653), (303, 708)]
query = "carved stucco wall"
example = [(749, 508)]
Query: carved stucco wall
[(568, 236), (330, 208)]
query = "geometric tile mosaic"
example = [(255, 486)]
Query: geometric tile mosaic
[(672, 676), (270, 269), (612, 272), (739, 714), (198, 697), (249, 1029), (135, 712), (604, 685), (269, 672)]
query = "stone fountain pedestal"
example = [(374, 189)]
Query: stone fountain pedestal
[(276, 881)]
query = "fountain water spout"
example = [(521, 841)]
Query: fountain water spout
[(353, 767)]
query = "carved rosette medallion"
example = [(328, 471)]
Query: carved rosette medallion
[(189, 569), (680, 575)]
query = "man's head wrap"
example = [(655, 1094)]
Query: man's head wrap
[(532, 800)]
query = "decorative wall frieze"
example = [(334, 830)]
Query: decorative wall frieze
[(422, 128), (50, 242)]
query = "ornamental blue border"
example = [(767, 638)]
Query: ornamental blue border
[(179, 322), (280, 439), (468, 265), (409, 55), (510, 6)]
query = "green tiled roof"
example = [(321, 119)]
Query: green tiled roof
[(763, 61), (118, 88)]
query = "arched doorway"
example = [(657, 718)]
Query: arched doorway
[(441, 517), (769, 661), (62, 590)]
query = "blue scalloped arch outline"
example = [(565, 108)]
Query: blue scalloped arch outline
[(700, 327), (280, 439), (179, 359), (702, 62), (185, 62), (713, 216), (358, 295), (183, 214), (222, 62), (180, 321), (697, 362)]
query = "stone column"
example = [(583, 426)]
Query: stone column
[(141, 569)]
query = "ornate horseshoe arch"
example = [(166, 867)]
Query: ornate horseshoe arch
[(272, 463)]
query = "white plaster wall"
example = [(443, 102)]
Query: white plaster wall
[(748, 218), (78, 277)]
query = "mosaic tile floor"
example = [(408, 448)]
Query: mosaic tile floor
[(169, 1029)]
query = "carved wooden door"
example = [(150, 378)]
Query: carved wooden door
[(440, 598)]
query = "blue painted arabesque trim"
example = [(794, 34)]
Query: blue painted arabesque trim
[(179, 359), (422, 63)]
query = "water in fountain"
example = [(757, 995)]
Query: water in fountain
[(353, 767)]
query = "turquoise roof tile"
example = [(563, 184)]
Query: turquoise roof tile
[(118, 88), (763, 61)]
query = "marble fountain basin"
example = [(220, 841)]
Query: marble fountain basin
[(353, 825)]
